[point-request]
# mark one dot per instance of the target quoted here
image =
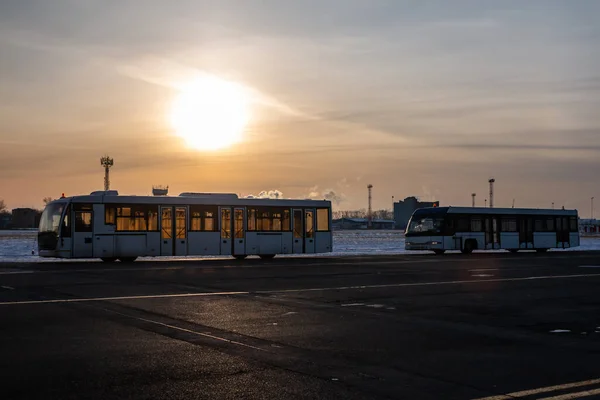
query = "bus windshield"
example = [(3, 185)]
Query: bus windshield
[(425, 225), (50, 219)]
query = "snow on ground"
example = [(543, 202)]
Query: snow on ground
[(21, 246)]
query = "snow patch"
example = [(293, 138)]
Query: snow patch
[(560, 331), (16, 246)]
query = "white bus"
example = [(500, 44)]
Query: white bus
[(469, 228), (111, 227)]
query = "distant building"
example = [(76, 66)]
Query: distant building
[(5, 220), (25, 218), (403, 209), (361, 223), (589, 227)]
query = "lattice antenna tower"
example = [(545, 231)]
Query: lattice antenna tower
[(107, 163)]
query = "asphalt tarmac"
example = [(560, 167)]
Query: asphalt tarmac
[(495, 326)]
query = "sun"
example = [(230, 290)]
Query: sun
[(210, 113)]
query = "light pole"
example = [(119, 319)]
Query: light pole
[(553, 205), (592, 207)]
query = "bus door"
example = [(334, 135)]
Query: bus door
[(225, 224), (173, 231), (180, 234), (562, 232), (83, 245), (298, 229), (309, 231), (239, 232), (492, 234), (166, 231), (526, 232)]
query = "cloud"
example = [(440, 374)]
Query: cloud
[(267, 194), (327, 194)]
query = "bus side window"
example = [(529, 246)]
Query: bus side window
[(462, 224), (509, 224), (475, 225), (539, 225), (110, 215), (573, 224), (285, 224), (83, 221), (322, 219)]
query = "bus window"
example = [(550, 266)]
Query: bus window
[(539, 225), (425, 225), (110, 215), (195, 221), (251, 219), (462, 224), (550, 224), (475, 225), (202, 218), (263, 222), (509, 224), (276, 220), (322, 219), (209, 221), (153, 221), (135, 218), (83, 221), (285, 222), (573, 224)]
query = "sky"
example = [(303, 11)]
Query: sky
[(426, 98)]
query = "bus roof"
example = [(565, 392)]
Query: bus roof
[(492, 211), (225, 199)]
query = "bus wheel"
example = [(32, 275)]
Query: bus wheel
[(541, 250), (108, 259), (127, 259), (439, 252), (240, 256), (267, 256), (470, 245)]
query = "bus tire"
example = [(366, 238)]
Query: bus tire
[(439, 252), (541, 250), (108, 259), (267, 256), (469, 246), (240, 256), (127, 259)]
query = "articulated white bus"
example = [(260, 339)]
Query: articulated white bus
[(469, 228), (112, 227)]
